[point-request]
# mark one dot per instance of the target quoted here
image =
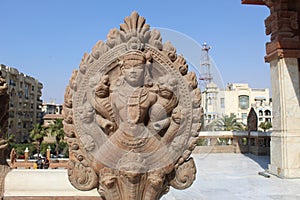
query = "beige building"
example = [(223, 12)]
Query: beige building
[(236, 99), (51, 108), (25, 105), (51, 112)]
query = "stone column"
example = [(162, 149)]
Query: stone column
[(283, 54), (285, 142)]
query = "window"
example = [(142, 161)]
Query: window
[(209, 101), (12, 82), (222, 102), (267, 112), (268, 120), (20, 94), (244, 116), (26, 90), (260, 113), (244, 101)]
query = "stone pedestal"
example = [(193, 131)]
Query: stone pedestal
[(285, 139)]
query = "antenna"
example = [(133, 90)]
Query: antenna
[(205, 64)]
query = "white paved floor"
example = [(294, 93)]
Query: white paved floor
[(235, 176), (219, 177)]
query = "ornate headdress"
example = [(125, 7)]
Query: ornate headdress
[(133, 56)]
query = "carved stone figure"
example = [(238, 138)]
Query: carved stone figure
[(13, 157), (4, 99), (252, 120), (132, 116)]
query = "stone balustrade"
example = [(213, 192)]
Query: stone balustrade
[(257, 143)]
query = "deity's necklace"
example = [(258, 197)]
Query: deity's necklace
[(134, 106)]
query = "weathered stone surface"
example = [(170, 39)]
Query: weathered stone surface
[(4, 100), (132, 116)]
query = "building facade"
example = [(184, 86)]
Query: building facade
[(51, 112), (51, 108), (25, 105), (236, 99)]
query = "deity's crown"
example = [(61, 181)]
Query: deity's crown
[(134, 56)]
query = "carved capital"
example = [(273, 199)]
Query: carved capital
[(283, 26)]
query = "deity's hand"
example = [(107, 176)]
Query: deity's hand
[(107, 125)]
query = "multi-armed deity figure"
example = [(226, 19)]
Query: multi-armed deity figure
[(132, 115)]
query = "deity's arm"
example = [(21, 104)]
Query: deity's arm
[(171, 132), (104, 108), (162, 108), (177, 121), (108, 126), (172, 103)]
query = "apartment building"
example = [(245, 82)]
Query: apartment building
[(25, 105)]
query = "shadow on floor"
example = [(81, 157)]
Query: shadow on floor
[(263, 161)]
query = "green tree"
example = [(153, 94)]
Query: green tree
[(37, 134), (228, 123), (265, 126), (56, 129), (11, 140)]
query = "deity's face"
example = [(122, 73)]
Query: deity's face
[(134, 73), (167, 87), (86, 113)]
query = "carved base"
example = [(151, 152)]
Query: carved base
[(126, 183)]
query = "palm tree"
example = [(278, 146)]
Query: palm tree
[(228, 123), (56, 129), (37, 134), (265, 126)]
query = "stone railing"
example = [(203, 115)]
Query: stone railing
[(54, 164), (257, 143)]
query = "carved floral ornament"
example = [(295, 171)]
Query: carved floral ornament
[(132, 115)]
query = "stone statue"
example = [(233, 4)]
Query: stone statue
[(13, 157), (252, 120), (132, 116), (4, 99)]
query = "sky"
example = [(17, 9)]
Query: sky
[(47, 39)]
